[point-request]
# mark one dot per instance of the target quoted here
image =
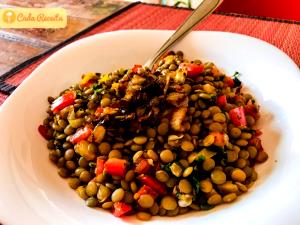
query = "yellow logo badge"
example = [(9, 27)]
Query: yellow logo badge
[(33, 18), (9, 16)]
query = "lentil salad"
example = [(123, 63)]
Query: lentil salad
[(163, 142)]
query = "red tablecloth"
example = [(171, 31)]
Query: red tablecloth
[(289, 10), (283, 34)]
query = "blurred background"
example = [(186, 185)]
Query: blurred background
[(19, 45), (288, 9), (179, 3)]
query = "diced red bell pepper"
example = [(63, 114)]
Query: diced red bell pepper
[(99, 111), (237, 116), (99, 166), (221, 101), (63, 101), (142, 166), (258, 133), (238, 99), (251, 110), (219, 139), (121, 208), (135, 68), (44, 131), (256, 142), (154, 68), (115, 167), (145, 190), (81, 134), (156, 165), (153, 183), (193, 70), (229, 81)]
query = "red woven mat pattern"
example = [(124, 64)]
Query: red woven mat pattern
[(285, 36), (2, 99)]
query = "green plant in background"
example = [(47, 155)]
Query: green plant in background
[(186, 3)]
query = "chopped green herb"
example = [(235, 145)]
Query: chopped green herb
[(236, 74), (196, 185), (206, 206), (92, 164), (236, 80), (224, 162), (200, 159), (166, 167), (78, 94), (213, 98)]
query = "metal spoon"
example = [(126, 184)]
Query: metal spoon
[(200, 13)]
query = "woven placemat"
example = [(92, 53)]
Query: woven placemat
[(283, 34)]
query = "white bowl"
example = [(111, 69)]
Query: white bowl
[(32, 192)]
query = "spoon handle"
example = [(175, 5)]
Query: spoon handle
[(201, 12)]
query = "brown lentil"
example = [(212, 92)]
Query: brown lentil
[(208, 140), (248, 171), (117, 195), (133, 186), (241, 186), (107, 205), (163, 129), (140, 140), (63, 172), (195, 129), (241, 142), (104, 148), (228, 187), (128, 197), (154, 209), (169, 203), (215, 199), (115, 154), (261, 157), (229, 197), (185, 186), (215, 127), (187, 146), (162, 176), (235, 132), (187, 171), (218, 176), (81, 192), (208, 164), (205, 186), (146, 201), (74, 182), (252, 152), (91, 202), (173, 212), (219, 117), (152, 155), (151, 132), (241, 163), (144, 216), (246, 136), (85, 176), (166, 156), (232, 156)]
